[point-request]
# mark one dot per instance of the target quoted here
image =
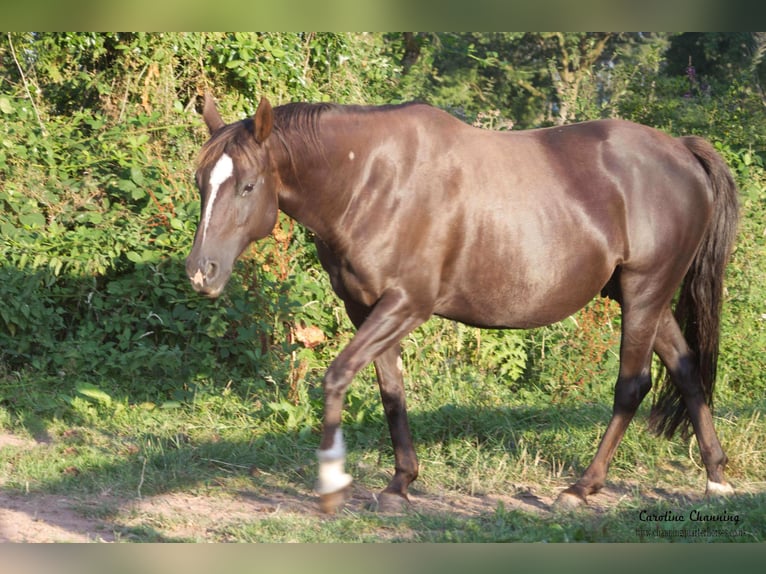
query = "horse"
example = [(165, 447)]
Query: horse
[(416, 213)]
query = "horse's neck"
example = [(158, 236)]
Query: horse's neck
[(310, 193)]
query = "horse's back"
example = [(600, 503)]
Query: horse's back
[(539, 220), (512, 229)]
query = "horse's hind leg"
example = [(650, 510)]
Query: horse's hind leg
[(675, 354), (639, 326), (388, 367)]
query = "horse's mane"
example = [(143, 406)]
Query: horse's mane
[(295, 124), (303, 117)]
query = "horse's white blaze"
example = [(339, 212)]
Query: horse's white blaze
[(223, 170), (199, 278), (332, 477)]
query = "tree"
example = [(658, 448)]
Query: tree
[(532, 79)]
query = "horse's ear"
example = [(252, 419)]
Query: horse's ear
[(210, 114), (263, 120)]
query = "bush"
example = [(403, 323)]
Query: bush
[(98, 139), (98, 208)]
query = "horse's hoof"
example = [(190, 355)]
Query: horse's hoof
[(390, 503), (329, 503), (569, 501), (715, 489)]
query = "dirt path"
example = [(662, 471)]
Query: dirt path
[(183, 516)]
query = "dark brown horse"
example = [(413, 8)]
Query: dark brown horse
[(416, 213)]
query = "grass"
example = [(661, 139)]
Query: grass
[(475, 438), (623, 524)]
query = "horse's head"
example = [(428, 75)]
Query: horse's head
[(238, 189)]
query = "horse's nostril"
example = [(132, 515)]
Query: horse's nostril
[(210, 270)]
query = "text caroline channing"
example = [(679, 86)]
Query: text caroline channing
[(692, 516)]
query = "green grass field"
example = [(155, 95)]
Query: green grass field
[(493, 459)]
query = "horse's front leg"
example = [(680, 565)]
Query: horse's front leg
[(392, 318)]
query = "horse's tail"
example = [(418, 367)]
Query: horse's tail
[(698, 310)]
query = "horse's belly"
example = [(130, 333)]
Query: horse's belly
[(521, 302)]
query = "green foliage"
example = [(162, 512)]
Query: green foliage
[(299, 66), (744, 313), (721, 101), (97, 207)]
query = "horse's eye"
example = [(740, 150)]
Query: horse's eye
[(248, 187)]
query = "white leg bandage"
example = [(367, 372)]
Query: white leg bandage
[(332, 478), (718, 489)]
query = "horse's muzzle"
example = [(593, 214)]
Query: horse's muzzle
[(205, 277)]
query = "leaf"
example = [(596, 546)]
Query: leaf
[(56, 264), (310, 336), (137, 175), (126, 185), (94, 393), (94, 217), (134, 257), (8, 229), (170, 405), (32, 219), (5, 105)]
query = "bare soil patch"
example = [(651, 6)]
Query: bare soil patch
[(179, 516), (183, 516)]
